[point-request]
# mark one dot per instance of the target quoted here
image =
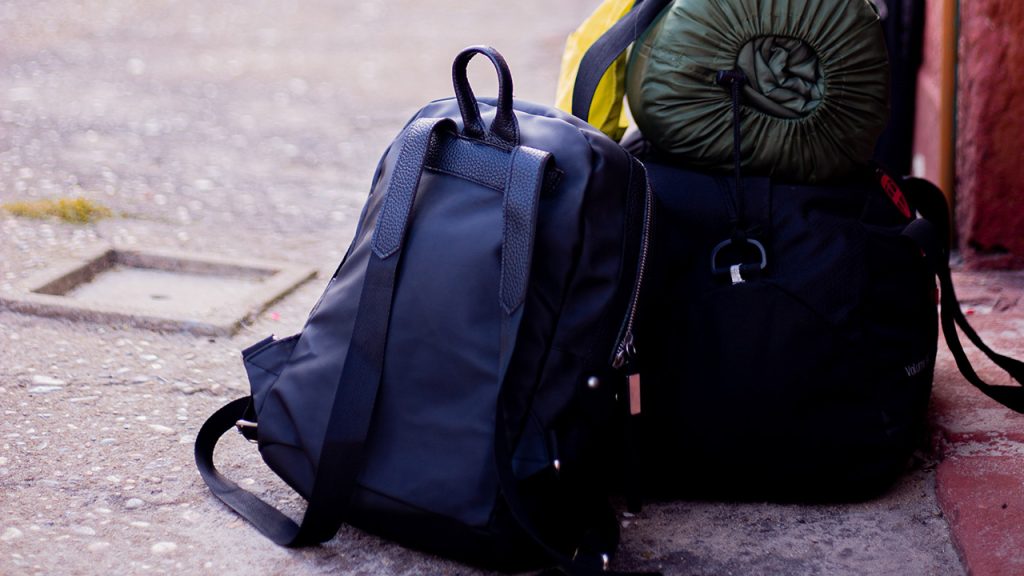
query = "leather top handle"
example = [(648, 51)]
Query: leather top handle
[(504, 127)]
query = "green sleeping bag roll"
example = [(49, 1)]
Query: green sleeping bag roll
[(817, 96)]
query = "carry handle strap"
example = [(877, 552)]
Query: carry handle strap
[(607, 48), (931, 233), (504, 126)]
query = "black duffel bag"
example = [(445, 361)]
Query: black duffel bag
[(790, 355), (788, 332)]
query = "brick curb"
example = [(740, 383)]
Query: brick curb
[(980, 478)]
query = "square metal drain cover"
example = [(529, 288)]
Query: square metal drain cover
[(159, 290)]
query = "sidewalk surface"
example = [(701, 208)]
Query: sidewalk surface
[(251, 129)]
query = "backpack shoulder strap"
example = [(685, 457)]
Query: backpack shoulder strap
[(931, 233)]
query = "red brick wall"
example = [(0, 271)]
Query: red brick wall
[(990, 133), (929, 159)]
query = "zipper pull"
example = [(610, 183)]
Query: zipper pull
[(634, 394), (625, 354)]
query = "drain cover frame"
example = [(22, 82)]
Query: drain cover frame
[(48, 292)]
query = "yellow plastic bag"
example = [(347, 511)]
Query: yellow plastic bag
[(606, 111)]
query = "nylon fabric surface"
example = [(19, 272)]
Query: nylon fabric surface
[(449, 324)]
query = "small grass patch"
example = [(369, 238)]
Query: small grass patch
[(74, 210)]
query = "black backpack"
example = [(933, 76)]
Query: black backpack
[(789, 331), (456, 388)]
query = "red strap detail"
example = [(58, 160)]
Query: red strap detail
[(892, 190)]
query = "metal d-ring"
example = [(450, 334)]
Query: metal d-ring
[(736, 270)]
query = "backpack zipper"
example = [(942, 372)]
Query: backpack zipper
[(625, 348)]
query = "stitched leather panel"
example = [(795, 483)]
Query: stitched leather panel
[(479, 162), (390, 229), (473, 160), (525, 178)]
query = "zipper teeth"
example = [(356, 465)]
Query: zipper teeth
[(645, 245)]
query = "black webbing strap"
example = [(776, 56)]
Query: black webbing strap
[(607, 48), (733, 81), (931, 233), (269, 520)]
